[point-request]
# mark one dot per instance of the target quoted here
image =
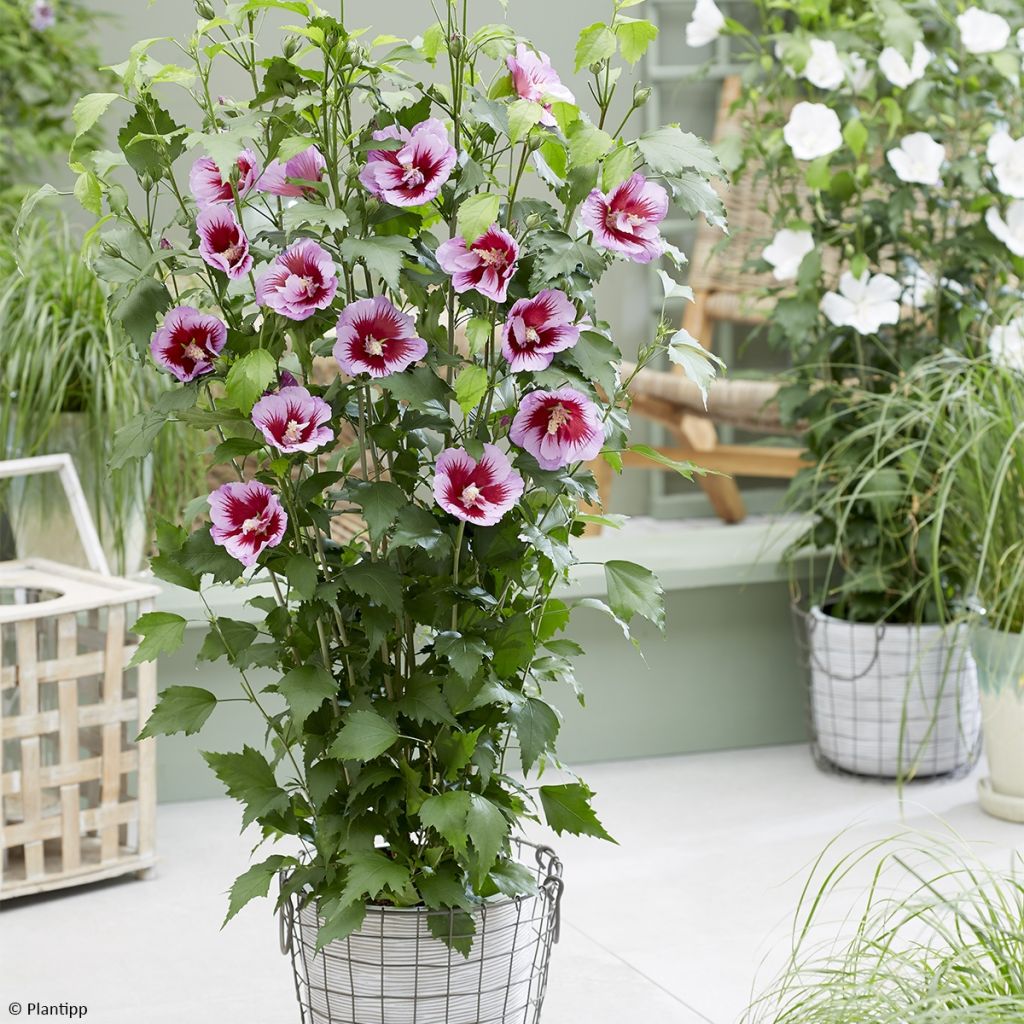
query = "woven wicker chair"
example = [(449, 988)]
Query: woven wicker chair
[(723, 292)]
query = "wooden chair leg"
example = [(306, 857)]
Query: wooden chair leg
[(605, 476), (722, 491)]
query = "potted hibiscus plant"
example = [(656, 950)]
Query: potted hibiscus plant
[(880, 133), (356, 291)]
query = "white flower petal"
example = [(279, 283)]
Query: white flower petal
[(786, 251), (705, 25), (983, 32), (824, 68), (894, 65), (813, 130)]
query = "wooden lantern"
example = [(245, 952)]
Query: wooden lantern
[(77, 793)]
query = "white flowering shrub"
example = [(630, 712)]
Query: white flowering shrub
[(887, 140)]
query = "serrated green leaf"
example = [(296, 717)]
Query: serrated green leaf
[(340, 921), (522, 116), (670, 150), (380, 503), (364, 736), (254, 883), (423, 701), (488, 829), (587, 143), (417, 528), (446, 813), (465, 654), (536, 726), (378, 582), (470, 387), (302, 212), (227, 638), (476, 214), (384, 255), (596, 43), (698, 363), (180, 709), (306, 688), (634, 37), (634, 590), (88, 110), (685, 469), (249, 779), (370, 873), (617, 167), (598, 359), (162, 632), (249, 377), (567, 809)]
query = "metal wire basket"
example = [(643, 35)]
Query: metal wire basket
[(890, 701), (394, 971)]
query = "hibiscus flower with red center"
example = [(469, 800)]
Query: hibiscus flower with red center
[(292, 420), (279, 179), (222, 242), (209, 186), (558, 427), (486, 266), (300, 281), (626, 219), (188, 342), (536, 80), (538, 328), (414, 174), (247, 519), (476, 492), (376, 338)]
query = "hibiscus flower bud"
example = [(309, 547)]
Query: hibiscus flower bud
[(640, 96), (205, 9), (111, 250), (291, 46), (456, 45)]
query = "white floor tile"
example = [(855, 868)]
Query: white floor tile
[(669, 927)]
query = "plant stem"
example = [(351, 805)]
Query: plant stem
[(455, 571)]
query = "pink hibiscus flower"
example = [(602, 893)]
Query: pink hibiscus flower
[(247, 519), (626, 219), (188, 342), (535, 79), (209, 186), (538, 328), (414, 174), (477, 492), (43, 16), (487, 265), (277, 179), (292, 420), (376, 338), (300, 281), (558, 427), (222, 242)]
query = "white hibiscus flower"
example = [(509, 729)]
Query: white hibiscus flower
[(859, 74), (1011, 230), (919, 285), (894, 65), (824, 68), (919, 159), (983, 32), (1006, 155), (705, 25), (1007, 345), (786, 252), (813, 130), (864, 303)]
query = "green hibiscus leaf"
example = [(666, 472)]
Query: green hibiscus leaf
[(536, 725), (306, 688), (250, 780), (162, 633), (180, 709), (634, 590), (364, 736), (567, 809), (254, 883)]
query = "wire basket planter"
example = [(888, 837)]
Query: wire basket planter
[(889, 701), (394, 971)]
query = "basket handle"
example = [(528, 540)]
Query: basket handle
[(813, 624), (64, 466)]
